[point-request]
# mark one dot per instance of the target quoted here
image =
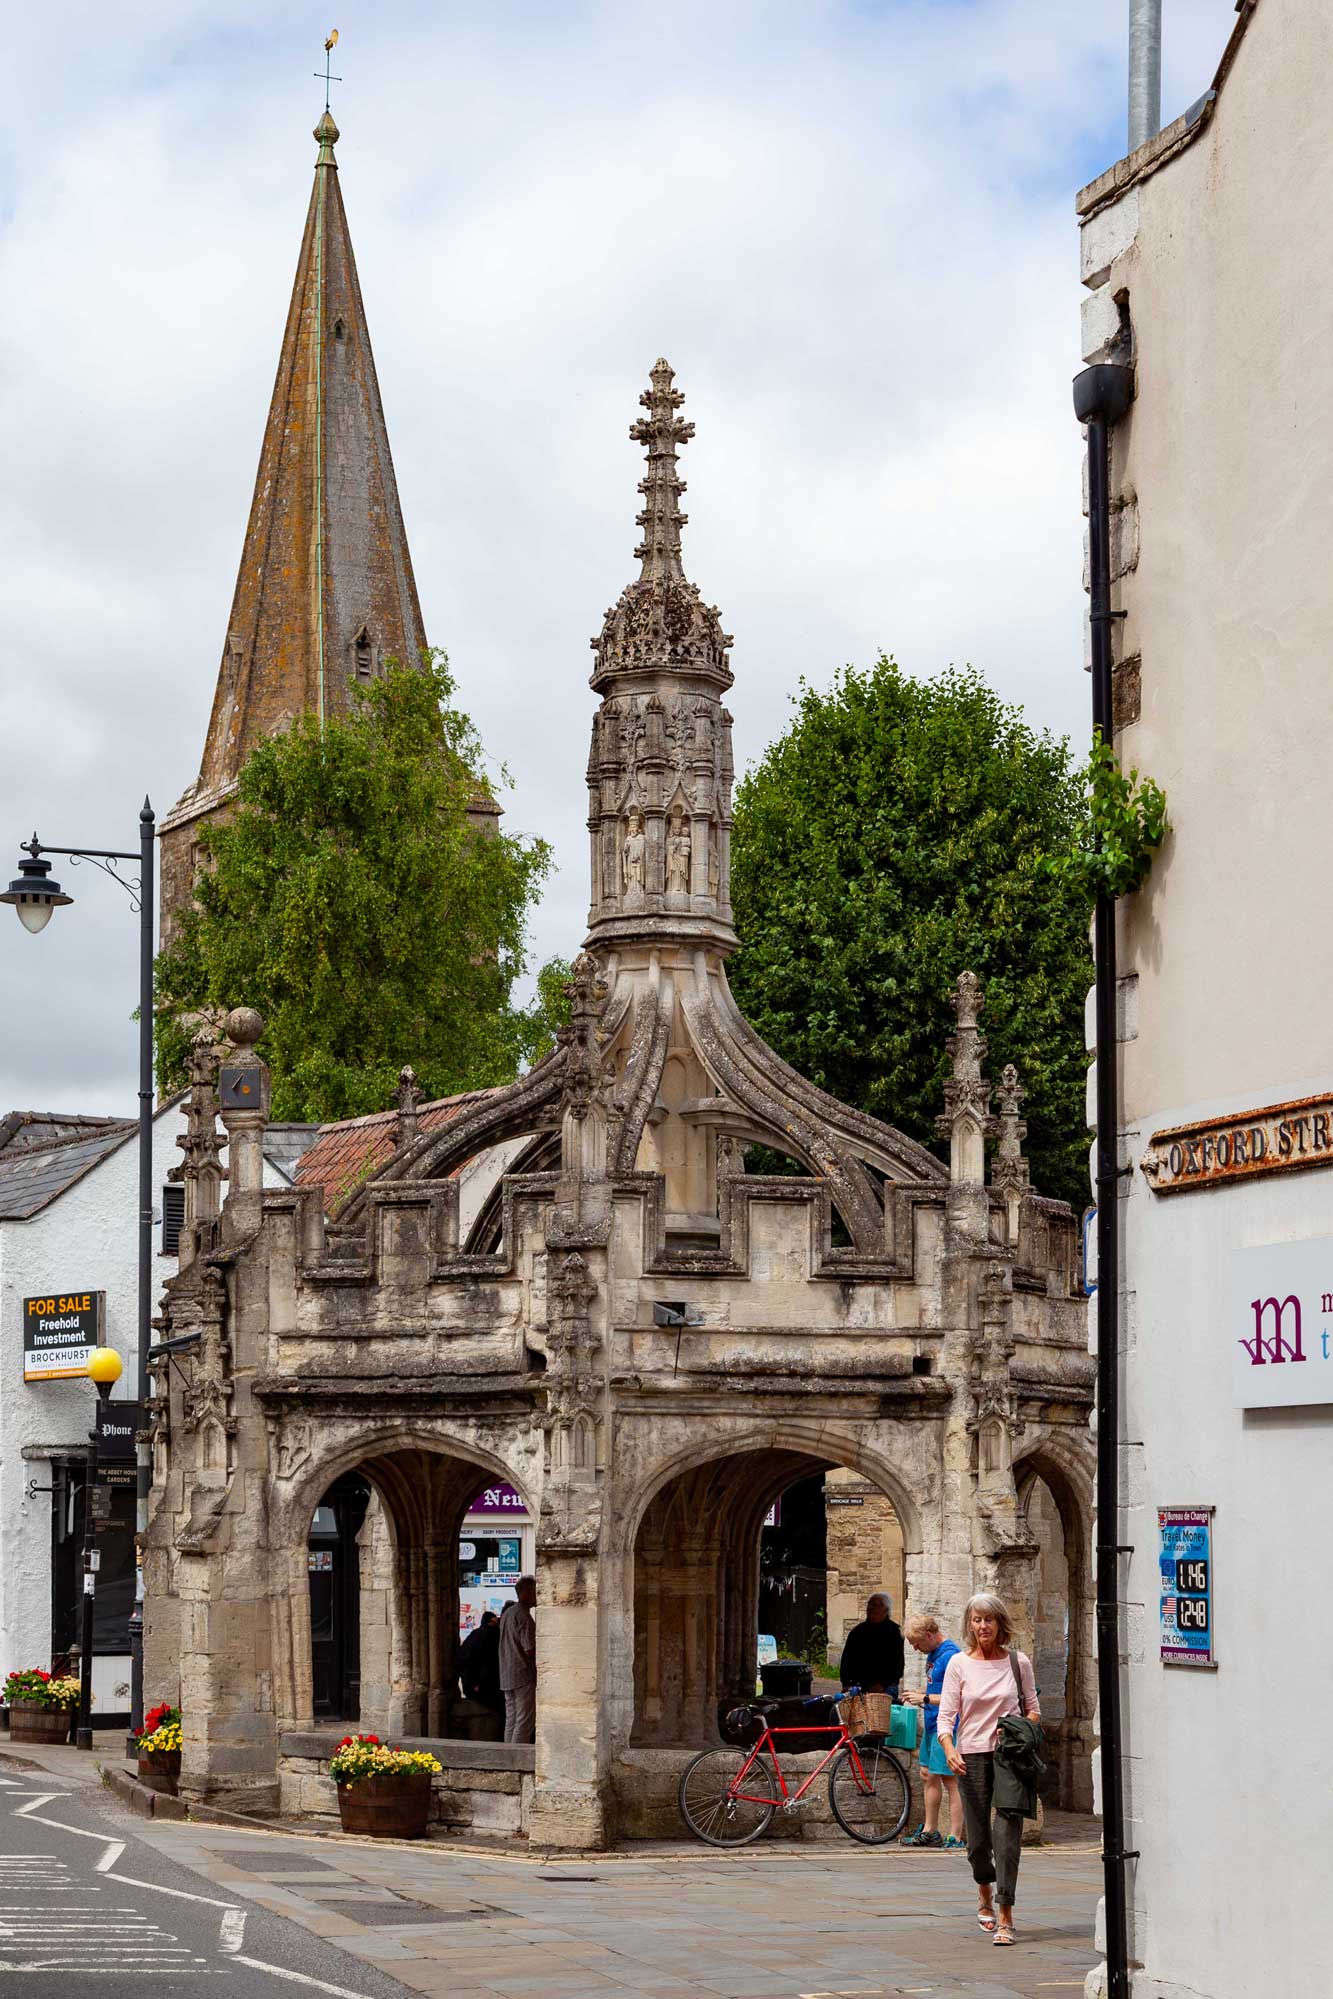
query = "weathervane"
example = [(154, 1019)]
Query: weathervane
[(328, 55)]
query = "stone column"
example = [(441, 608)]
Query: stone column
[(569, 1796)]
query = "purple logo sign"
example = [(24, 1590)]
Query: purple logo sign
[(498, 1499)]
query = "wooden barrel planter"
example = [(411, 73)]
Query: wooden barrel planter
[(392, 1805), (160, 1770), (32, 1721)]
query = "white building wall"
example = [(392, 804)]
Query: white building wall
[(1221, 480), (86, 1239)]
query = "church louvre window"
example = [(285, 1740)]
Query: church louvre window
[(339, 329), (363, 655)]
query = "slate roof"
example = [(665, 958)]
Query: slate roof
[(42, 1153), (347, 1153), (285, 1145)]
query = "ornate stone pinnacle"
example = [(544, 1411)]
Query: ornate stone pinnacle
[(1009, 1169), (967, 1093), (661, 431), (661, 621), (407, 1097)]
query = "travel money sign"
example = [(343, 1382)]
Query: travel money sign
[(60, 1331)]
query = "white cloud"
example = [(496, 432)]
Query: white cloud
[(849, 227)]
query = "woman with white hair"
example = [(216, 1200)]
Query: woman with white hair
[(983, 1683)]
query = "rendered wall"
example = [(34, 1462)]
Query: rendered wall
[(1221, 544)]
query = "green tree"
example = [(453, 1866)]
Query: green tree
[(899, 833), (351, 901)]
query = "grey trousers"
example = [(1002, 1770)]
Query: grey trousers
[(994, 1855), (521, 1713)]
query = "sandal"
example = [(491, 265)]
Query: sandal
[(1004, 1934), (986, 1918)]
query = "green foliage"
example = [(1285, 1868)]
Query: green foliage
[(549, 1010), (1125, 825), (898, 834), (351, 901)]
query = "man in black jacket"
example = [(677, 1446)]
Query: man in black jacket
[(479, 1664), (872, 1653)]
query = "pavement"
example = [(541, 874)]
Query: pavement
[(788, 1921)]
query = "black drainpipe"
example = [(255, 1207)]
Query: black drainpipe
[(1101, 397)]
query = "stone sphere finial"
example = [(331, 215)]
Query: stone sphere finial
[(245, 1026)]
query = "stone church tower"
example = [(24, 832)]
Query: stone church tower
[(325, 592)]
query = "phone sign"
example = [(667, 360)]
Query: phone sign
[(1186, 1581)]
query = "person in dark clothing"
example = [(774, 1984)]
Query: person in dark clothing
[(479, 1663), (872, 1653)]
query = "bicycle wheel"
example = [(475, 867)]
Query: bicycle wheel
[(716, 1806), (869, 1792)]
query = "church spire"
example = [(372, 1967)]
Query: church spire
[(325, 592)]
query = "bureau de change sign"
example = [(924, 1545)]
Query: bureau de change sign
[(60, 1331)]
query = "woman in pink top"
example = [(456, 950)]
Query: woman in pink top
[(981, 1683)]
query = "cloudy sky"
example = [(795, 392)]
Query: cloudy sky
[(848, 224)]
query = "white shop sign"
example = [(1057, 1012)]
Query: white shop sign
[(1280, 1322)]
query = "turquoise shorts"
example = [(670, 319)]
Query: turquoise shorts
[(932, 1756)]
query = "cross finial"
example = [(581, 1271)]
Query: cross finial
[(329, 47), (661, 431)]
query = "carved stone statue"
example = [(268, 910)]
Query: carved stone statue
[(633, 858), (714, 863), (678, 856)]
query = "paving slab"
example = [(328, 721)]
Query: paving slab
[(679, 1922)]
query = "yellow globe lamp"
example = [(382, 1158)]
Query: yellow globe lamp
[(105, 1368)]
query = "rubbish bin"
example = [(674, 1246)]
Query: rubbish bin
[(782, 1678)]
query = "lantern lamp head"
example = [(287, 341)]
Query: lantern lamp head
[(34, 894)]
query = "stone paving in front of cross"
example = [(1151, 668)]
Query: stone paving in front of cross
[(787, 1922)]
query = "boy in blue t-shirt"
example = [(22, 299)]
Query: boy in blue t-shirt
[(924, 1634)]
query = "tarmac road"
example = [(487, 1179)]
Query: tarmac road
[(89, 1910)]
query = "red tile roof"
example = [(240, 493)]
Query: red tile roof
[(347, 1153)]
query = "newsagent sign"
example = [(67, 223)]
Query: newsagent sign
[(60, 1331), (1280, 1314)]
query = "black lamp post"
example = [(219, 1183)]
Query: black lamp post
[(104, 1370), (35, 895)]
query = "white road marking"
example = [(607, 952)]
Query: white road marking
[(111, 1856), (232, 1934), (300, 1978)]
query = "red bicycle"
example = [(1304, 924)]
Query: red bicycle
[(728, 1796)]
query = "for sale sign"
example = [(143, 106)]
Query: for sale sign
[(60, 1331)]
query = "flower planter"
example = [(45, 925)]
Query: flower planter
[(160, 1770), (33, 1721), (391, 1805)]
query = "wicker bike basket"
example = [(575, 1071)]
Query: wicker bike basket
[(866, 1714)]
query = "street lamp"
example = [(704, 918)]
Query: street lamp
[(104, 1370), (35, 895)]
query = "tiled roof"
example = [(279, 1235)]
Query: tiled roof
[(33, 1171), (347, 1153)]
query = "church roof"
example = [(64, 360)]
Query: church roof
[(325, 591)]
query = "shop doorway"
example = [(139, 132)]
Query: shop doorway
[(335, 1599)]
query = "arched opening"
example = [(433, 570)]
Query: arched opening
[(1062, 1653), (407, 1552), (754, 1546)]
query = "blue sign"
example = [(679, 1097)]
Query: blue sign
[(1089, 1252), (1186, 1579), (508, 1546)]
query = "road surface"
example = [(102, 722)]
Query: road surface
[(89, 1910)]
